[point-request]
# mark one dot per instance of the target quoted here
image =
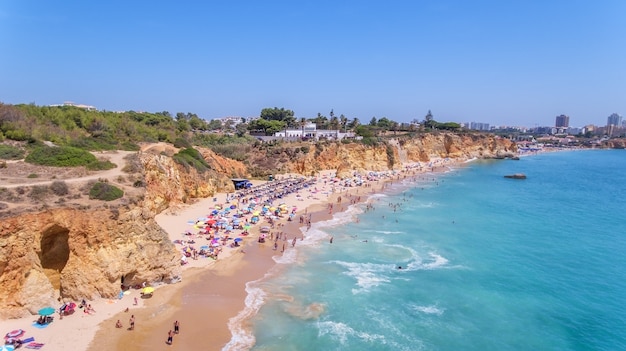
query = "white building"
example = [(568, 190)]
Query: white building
[(310, 131)]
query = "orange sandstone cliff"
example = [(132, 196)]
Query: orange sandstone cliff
[(87, 252)]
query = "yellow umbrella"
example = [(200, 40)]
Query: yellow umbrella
[(256, 213), (147, 290)]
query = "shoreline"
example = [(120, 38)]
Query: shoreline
[(211, 293)]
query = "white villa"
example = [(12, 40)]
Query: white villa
[(310, 131)]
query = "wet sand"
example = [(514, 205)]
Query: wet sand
[(208, 298)]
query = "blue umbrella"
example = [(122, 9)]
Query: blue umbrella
[(46, 311), (238, 240), (204, 247)]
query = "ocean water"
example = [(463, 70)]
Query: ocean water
[(488, 263)]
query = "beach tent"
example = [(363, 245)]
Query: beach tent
[(241, 184)]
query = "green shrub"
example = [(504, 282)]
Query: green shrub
[(129, 146), (62, 156), (18, 135), (102, 142), (100, 165), (191, 158), (33, 175), (8, 152), (182, 143), (105, 192), (59, 188)]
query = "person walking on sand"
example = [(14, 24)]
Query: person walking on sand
[(170, 338), (132, 322), (176, 327)]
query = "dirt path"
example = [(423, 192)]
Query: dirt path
[(10, 178)]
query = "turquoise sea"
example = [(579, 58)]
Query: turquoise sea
[(488, 263)]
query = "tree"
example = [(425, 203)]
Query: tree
[(428, 117), (334, 123), (429, 121), (214, 124), (197, 123), (355, 123), (364, 131), (303, 122), (344, 121), (266, 126), (373, 121), (241, 129), (278, 114), (384, 123)]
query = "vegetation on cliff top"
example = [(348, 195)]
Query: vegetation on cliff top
[(191, 158), (66, 156), (104, 191), (8, 152)]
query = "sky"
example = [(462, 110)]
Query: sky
[(511, 62)]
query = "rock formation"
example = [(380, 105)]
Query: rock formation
[(516, 176), (80, 254), (86, 253)]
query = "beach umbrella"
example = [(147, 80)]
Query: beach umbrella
[(147, 290), (46, 311), (238, 240), (204, 247), (7, 348), (246, 227), (15, 333)]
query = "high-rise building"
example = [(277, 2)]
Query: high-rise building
[(614, 120), (562, 121)]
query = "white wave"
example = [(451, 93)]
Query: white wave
[(471, 160), (367, 275), (241, 338), (289, 256), (387, 232), (342, 331), (428, 309), (437, 261)]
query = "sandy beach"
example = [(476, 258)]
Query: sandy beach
[(212, 291)]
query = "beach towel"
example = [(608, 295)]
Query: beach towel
[(39, 326), (31, 339), (34, 345)]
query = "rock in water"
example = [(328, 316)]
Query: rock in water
[(516, 176)]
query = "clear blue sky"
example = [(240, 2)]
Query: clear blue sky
[(513, 62)]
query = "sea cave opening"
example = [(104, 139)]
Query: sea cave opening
[(54, 254)]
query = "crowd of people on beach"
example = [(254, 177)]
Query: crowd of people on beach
[(272, 190)]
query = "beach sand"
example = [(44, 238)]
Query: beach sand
[(211, 292)]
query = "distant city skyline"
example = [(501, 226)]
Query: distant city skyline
[(501, 63)]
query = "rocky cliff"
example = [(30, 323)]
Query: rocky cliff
[(346, 158), (85, 253), (80, 254), (169, 184)]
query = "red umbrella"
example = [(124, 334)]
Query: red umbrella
[(15, 333)]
